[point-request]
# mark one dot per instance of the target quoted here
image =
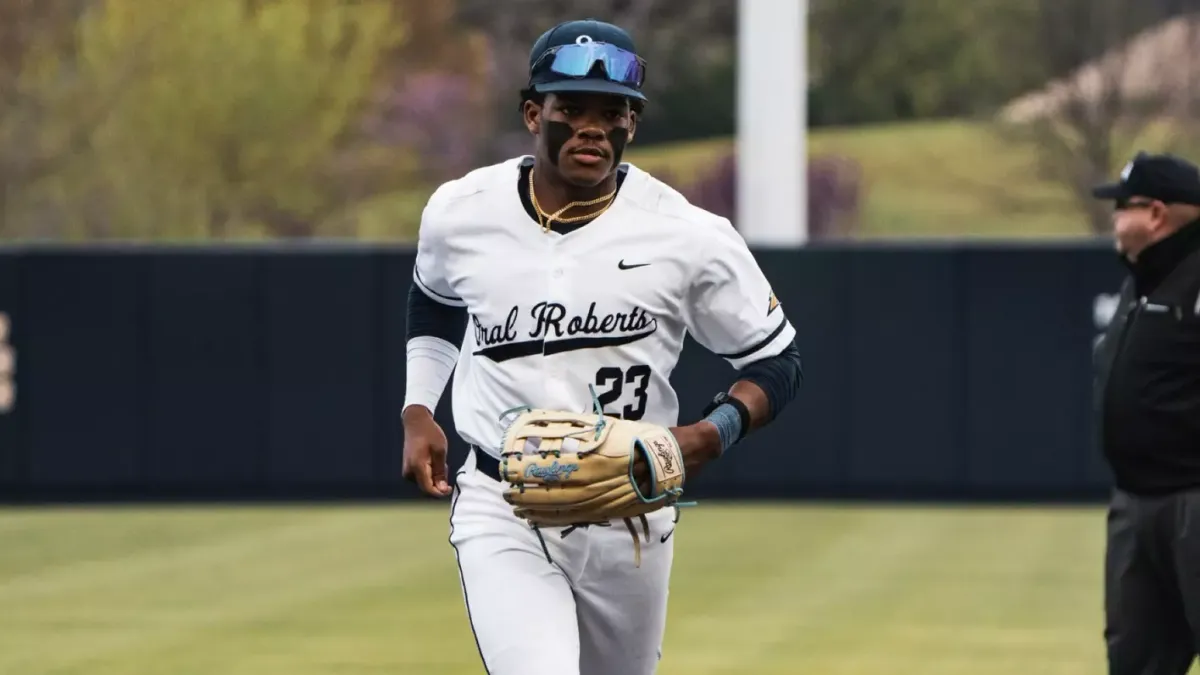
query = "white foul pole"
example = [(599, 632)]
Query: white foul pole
[(772, 121)]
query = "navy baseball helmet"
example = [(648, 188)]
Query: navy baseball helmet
[(587, 56)]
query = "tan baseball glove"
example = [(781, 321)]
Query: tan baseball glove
[(567, 468)]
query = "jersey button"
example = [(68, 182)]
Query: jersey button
[(558, 273)]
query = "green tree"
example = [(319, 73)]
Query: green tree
[(230, 118), (46, 114), (689, 48), (884, 60)]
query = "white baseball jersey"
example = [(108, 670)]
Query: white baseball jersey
[(606, 305)]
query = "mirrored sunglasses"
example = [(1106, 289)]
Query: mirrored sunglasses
[(578, 59)]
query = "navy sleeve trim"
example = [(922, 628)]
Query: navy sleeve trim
[(424, 286), (778, 376), (428, 317), (759, 345)]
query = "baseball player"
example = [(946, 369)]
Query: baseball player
[(560, 285)]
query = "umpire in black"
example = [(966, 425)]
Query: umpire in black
[(1148, 403)]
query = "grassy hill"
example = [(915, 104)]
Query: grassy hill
[(929, 179)]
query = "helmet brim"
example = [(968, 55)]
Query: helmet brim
[(589, 85)]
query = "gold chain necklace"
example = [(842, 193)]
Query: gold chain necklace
[(557, 215)]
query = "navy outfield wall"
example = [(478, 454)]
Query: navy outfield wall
[(931, 371)]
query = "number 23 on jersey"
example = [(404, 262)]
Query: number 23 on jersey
[(611, 383)]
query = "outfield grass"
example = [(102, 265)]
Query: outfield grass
[(769, 590), (926, 179)]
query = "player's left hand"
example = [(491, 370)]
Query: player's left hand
[(699, 443)]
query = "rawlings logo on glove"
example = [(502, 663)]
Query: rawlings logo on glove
[(551, 474), (566, 468)]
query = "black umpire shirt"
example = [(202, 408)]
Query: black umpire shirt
[(1148, 371)]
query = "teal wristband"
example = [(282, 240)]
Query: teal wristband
[(728, 422)]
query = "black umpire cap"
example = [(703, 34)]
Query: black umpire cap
[(587, 56), (1165, 177)]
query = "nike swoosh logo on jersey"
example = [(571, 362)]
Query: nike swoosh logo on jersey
[(665, 537), (622, 265)]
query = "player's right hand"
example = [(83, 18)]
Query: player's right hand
[(424, 452)]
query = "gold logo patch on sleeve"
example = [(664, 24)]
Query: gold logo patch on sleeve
[(772, 303)]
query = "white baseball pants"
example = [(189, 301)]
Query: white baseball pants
[(541, 603)]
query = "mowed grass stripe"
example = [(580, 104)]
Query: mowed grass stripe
[(796, 609), (1003, 591), (865, 602), (148, 557), (39, 539), (769, 589), (811, 610), (141, 612)]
